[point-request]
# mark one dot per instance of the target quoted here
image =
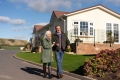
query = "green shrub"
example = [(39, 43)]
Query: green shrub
[(105, 61)]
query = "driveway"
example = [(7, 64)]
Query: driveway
[(14, 69)]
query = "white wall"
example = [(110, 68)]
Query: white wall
[(98, 17)]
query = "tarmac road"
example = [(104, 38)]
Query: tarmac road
[(14, 69)]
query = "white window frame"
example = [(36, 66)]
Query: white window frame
[(113, 30), (74, 28), (79, 27), (116, 30), (87, 28), (90, 26)]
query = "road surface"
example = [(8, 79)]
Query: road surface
[(14, 69)]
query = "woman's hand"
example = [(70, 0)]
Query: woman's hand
[(53, 44)]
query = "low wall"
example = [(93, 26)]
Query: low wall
[(88, 48)]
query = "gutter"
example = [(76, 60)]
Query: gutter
[(63, 23)]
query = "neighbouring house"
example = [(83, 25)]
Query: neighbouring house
[(35, 40), (90, 25)]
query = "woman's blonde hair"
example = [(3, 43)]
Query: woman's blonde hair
[(47, 32)]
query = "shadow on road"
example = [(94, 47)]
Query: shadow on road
[(31, 70), (34, 71)]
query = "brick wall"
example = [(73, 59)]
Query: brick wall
[(88, 48)]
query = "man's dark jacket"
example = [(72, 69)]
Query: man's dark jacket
[(64, 41)]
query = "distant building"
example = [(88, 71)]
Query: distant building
[(36, 36)]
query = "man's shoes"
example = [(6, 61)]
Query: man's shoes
[(60, 76)]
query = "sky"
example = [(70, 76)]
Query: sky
[(18, 17)]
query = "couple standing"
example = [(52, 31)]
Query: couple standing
[(59, 42)]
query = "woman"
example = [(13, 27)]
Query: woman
[(46, 54)]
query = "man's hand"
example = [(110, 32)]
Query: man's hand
[(57, 44)]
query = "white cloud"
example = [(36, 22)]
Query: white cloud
[(20, 37), (17, 21), (20, 28), (50, 5), (115, 2), (28, 28), (42, 23), (44, 5), (4, 19)]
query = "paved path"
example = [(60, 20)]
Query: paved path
[(14, 69)]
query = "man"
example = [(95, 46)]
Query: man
[(61, 43)]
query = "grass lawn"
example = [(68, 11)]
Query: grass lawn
[(71, 63), (10, 47)]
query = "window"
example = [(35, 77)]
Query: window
[(108, 27), (116, 32), (108, 30), (108, 24), (114, 29), (83, 28), (76, 30), (91, 30), (91, 24), (75, 22)]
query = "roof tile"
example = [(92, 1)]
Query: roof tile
[(37, 27), (59, 13)]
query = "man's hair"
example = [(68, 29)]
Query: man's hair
[(56, 26)]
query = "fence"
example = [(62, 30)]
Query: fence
[(94, 36)]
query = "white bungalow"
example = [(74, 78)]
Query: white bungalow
[(90, 24)]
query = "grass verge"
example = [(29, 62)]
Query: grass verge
[(10, 47), (71, 63)]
